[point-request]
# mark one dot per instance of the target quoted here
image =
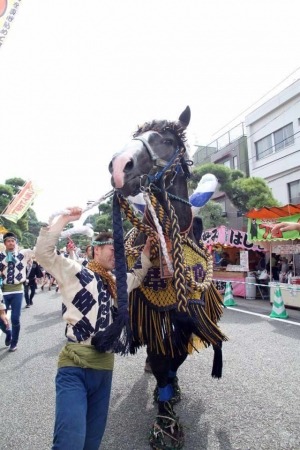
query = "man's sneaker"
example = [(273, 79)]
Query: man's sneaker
[(27, 306), (13, 348), (8, 338)]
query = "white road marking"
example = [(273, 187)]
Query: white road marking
[(262, 315)]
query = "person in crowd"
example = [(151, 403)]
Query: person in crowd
[(261, 265), (84, 376), (13, 265), (48, 280), (284, 265), (224, 261), (33, 273)]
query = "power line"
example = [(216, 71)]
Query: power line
[(257, 101)]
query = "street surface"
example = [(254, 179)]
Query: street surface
[(255, 406)]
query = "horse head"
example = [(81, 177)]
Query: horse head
[(153, 146)]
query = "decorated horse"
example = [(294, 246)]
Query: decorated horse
[(176, 309)]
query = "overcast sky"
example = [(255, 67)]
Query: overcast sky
[(78, 76)]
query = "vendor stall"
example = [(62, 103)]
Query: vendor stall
[(286, 244), (235, 244)]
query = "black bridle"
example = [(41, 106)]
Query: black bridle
[(160, 166)]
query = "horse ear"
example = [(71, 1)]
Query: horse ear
[(185, 117)]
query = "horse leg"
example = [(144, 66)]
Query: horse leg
[(166, 432), (172, 376)]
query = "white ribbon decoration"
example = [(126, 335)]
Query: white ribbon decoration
[(85, 229), (159, 231), (66, 212)]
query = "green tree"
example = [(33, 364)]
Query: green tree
[(211, 215), (104, 221), (244, 193), (15, 183)]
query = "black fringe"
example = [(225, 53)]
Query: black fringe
[(218, 361), (116, 338)]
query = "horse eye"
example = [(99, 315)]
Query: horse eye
[(168, 141)]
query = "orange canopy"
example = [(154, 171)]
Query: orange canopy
[(274, 212)]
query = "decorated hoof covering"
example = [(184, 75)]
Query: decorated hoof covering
[(176, 393), (205, 189), (166, 432)]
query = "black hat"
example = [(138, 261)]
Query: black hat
[(9, 235)]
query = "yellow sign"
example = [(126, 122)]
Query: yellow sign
[(8, 10), (22, 201)]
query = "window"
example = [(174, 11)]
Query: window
[(226, 163), (275, 141), (264, 147), (294, 191), (284, 137), (235, 162)]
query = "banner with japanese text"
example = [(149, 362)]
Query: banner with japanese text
[(8, 10), (261, 229), (223, 235), (22, 201)]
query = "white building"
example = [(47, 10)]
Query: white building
[(273, 132)]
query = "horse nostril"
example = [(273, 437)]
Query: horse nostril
[(110, 167), (129, 166)]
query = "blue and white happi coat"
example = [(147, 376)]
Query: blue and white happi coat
[(87, 304), (14, 273)]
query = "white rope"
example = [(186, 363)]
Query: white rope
[(159, 231), (66, 212), (85, 229)]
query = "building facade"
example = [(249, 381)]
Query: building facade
[(231, 151), (273, 132)]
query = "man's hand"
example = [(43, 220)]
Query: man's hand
[(62, 221), (147, 248), (285, 226), (4, 317)]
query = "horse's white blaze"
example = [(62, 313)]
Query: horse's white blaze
[(120, 161)]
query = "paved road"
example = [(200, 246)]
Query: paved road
[(255, 405)]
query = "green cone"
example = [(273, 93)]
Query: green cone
[(278, 310), (228, 298)]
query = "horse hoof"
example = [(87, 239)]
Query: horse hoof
[(166, 433), (176, 390)]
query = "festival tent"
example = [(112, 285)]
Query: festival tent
[(261, 222), (227, 236), (260, 225)]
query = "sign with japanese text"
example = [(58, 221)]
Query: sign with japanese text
[(286, 249), (244, 260), (22, 201), (223, 235), (261, 229), (8, 10)]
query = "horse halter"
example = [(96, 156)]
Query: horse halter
[(158, 163)]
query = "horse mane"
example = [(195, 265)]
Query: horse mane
[(164, 125)]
